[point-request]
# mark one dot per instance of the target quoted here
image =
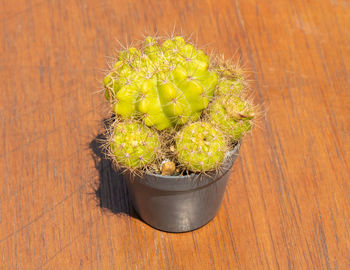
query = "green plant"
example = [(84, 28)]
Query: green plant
[(230, 87), (175, 111), (233, 115), (200, 147), (164, 85), (133, 145)]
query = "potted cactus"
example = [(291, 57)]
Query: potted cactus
[(178, 120)]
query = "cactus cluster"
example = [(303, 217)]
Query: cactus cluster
[(172, 105)]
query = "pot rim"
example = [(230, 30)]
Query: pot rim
[(228, 155), (186, 182)]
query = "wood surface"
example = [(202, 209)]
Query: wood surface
[(287, 204)]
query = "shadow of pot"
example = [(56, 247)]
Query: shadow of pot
[(180, 203)]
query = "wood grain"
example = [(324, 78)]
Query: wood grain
[(287, 205)]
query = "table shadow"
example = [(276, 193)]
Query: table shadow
[(110, 191)]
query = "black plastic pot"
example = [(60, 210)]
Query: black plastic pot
[(179, 203)]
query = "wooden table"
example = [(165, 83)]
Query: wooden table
[(287, 205)]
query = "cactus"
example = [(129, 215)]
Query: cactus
[(232, 115), (230, 87), (133, 145), (200, 147), (165, 85)]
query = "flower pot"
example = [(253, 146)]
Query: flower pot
[(180, 203)]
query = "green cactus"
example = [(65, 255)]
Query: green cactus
[(200, 147), (231, 87), (233, 115), (164, 85), (133, 145)]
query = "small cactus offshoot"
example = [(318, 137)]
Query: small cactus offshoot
[(164, 85), (232, 115), (229, 87), (201, 147), (133, 145)]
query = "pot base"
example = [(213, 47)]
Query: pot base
[(178, 230)]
